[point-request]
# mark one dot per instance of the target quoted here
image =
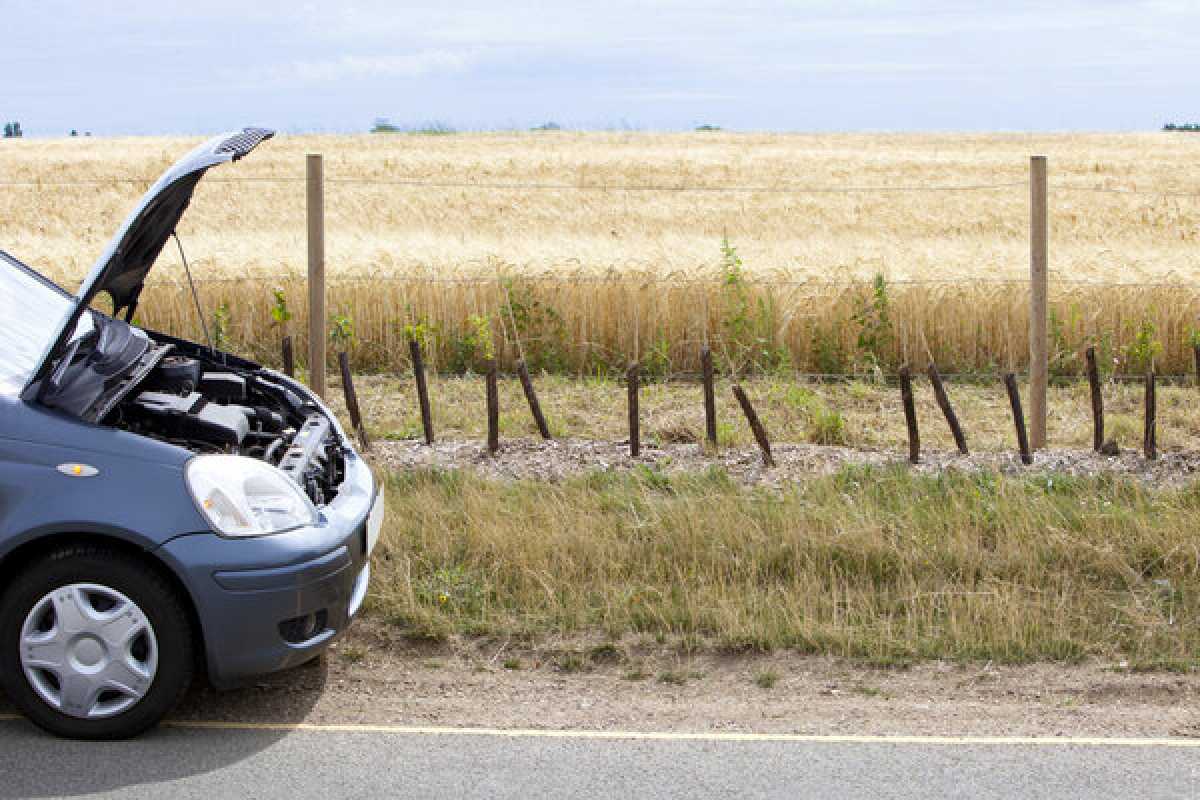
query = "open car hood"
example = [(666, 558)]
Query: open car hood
[(121, 270)]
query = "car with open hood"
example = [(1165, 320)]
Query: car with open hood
[(165, 508)]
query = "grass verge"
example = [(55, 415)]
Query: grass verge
[(877, 564)]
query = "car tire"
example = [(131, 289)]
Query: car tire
[(82, 619)]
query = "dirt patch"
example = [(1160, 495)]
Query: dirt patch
[(376, 676), (562, 458)]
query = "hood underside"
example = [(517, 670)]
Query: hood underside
[(121, 270)]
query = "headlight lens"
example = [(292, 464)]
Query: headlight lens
[(244, 497)]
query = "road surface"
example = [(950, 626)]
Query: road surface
[(193, 760)]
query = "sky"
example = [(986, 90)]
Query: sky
[(152, 66)]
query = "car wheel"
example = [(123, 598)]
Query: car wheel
[(94, 644)]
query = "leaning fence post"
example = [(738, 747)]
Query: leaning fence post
[(493, 408), (910, 416), (1150, 436), (633, 382), (1196, 357), (943, 401), (1014, 399), (418, 365), (1093, 376), (760, 433), (315, 207), (535, 407), (352, 400), (710, 397), (289, 361), (531, 397)]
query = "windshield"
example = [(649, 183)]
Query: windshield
[(31, 313)]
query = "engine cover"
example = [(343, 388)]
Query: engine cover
[(189, 417), (175, 375)]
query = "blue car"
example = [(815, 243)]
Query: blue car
[(166, 509)]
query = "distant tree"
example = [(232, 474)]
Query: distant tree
[(8, 130), (17, 132), (703, 128), (548, 126), (384, 125), (74, 132)]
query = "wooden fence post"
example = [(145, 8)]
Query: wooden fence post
[(910, 416), (1014, 399), (1196, 357), (1038, 266), (756, 426), (535, 407), (352, 400), (493, 408), (633, 382), (1093, 376), (943, 401), (1150, 436), (418, 364), (710, 398), (315, 205), (289, 360)]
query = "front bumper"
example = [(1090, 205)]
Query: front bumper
[(273, 602)]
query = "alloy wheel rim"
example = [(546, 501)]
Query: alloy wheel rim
[(88, 651)]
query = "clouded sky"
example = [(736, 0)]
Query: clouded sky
[(150, 66)]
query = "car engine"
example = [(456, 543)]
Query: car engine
[(211, 407)]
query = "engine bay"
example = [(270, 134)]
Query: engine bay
[(207, 406), (194, 397)]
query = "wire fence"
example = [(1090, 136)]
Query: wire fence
[(798, 189), (633, 280), (417, 278)]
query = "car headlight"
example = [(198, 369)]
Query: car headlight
[(243, 497)]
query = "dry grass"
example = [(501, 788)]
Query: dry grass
[(590, 326), (877, 564), (603, 249)]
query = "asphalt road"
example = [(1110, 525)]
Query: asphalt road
[(342, 761)]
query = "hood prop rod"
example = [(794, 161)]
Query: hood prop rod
[(195, 297)]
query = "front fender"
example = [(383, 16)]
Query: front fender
[(133, 495)]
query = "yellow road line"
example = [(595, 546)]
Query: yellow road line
[(676, 736), (713, 736)]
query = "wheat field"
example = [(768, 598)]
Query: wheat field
[(617, 272)]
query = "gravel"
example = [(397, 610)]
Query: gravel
[(561, 458)]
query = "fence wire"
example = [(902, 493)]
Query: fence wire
[(555, 187), (570, 280), (634, 187)]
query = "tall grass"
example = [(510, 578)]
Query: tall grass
[(880, 564), (584, 325)]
